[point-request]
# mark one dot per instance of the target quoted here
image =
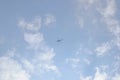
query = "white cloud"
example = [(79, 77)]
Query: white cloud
[(116, 64), (114, 28), (86, 78), (48, 56), (108, 14), (104, 67), (106, 10), (29, 66), (74, 62), (100, 75), (52, 67), (33, 39), (109, 10), (35, 25), (87, 61), (45, 61), (41, 63), (12, 70), (32, 34), (116, 77), (102, 49), (49, 19), (83, 11), (86, 3)]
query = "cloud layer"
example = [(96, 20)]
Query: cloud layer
[(10, 69)]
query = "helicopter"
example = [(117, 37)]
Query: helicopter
[(59, 40)]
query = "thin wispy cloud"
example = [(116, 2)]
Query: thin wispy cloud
[(49, 19), (34, 25), (109, 17), (74, 62), (103, 49)]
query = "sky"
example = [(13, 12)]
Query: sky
[(59, 40)]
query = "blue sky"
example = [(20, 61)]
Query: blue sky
[(89, 31)]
